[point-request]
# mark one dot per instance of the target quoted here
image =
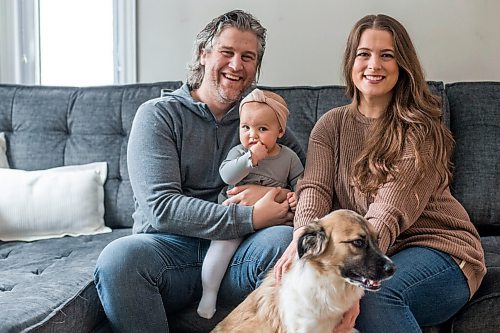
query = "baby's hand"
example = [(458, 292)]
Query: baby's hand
[(259, 152), (292, 200)]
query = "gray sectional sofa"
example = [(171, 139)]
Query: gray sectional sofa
[(47, 285)]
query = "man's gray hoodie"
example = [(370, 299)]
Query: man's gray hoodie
[(174, 152)]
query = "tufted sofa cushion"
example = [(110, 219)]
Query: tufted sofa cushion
[(307, 104), (48, 127), (49, 283), (482, 313), (475, 123), (46, 286)]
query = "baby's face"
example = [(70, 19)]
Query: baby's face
[(259, 123)]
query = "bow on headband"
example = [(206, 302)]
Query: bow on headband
[(274, 101)]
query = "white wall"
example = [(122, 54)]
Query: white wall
[(457, 40)]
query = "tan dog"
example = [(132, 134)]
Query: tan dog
[(338, 259)]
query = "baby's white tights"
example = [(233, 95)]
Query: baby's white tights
[(214, 267)]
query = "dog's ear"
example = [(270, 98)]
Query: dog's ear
[(313, 240)]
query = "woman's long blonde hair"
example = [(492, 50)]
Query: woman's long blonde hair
[(413, 116)]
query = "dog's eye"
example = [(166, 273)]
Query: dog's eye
[(360, 243)]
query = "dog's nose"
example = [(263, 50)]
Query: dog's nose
[(389, 268)]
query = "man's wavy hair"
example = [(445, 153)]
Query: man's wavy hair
[(413, 116), (205, 40)]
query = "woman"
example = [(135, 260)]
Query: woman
[(387, 157)]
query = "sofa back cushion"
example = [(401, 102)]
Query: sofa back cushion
[(48, 127), (475, 123), (308, 104)]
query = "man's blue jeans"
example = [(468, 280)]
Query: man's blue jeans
[(145, 277), (427, 289)]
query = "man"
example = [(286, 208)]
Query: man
[(175, 148)]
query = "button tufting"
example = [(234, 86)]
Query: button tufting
[(64, 255), (6, 288), (5, 255)]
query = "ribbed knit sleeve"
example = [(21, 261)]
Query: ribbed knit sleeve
[(316, 188), (400, 202)]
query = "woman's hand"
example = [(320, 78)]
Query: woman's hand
[(348, 320), (289, 256)]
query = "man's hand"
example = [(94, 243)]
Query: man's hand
[(348, 320), (248, 195), (267, 212)]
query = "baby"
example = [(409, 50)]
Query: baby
[(260, 160)]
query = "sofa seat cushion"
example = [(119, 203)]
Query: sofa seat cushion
[(50, 282), (482, 313)]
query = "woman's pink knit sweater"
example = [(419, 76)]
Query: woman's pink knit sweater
[(404, 215)]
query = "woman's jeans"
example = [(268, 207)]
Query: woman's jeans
[(143, 278), (427, 289)]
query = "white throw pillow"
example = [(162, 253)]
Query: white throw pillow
[(3, 151), (63, 201)]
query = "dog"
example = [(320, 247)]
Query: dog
[(338, 258)]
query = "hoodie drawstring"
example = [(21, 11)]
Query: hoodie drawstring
[(216, 135)]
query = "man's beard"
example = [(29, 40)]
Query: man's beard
[(223, 97)]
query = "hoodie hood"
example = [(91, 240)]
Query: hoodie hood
[(183, 96)]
